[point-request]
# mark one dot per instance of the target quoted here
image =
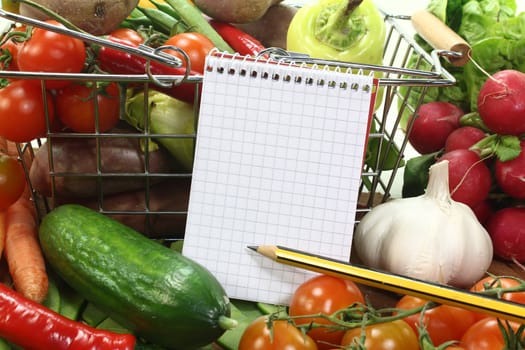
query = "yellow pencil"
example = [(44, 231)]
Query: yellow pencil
[(395, 283)]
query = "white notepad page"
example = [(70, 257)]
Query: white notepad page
[(278, 160)]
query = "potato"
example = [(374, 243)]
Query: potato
[(76, 158), (97, 17), (235, 11), (271, 29), (167, 203)]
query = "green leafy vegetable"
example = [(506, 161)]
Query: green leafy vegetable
[(504, 147), (415, 175), (496, 34)]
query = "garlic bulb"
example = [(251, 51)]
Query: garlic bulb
[(430, 237)]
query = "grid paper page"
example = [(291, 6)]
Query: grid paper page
[(278, 160)]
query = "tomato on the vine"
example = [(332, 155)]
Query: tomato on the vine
[(394, 335), (50, 52), (323, 294), (443, 322), (127, 34), (12, 181), (79, 105), (195, 45), (487, 335), (23, 111), (283, 335), (491, 282)]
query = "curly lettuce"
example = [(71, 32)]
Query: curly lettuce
[(496, 34)]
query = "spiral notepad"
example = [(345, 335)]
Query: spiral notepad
[(278, 160)]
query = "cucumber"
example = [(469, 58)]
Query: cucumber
[(146, 287)]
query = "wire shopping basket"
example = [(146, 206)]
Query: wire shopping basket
[(156, 197)]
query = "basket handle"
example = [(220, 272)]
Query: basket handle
[(141, 50), (441, 37)]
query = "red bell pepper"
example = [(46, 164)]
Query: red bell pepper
[(116, 61), (241, 42), (33, 326)]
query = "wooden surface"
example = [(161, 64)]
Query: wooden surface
[(381, 299)]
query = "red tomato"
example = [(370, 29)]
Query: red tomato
[(77, 107), (395, 335), (9, 55), (195, 45), (12, 181), (323, 294), (22, 111), (50, 52), (490, 282), (486, 335), (443, 322), (283, 335), (128, 34)]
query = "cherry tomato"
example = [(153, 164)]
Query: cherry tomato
[(323, 294), (395, 335), (22, 111), (50, 52), (443, 323), (195, 45), (128, 34), (77, 108), (283, 335), (490, 282), (12, 181), (486, 335)]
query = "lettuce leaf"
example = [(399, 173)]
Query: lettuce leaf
[(497, 37), (480, 17)]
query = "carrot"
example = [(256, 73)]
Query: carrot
[(22, 249)]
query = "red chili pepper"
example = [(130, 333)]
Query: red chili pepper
[(32, 326), (242, 42), (120, 62)]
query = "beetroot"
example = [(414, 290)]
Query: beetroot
[(432, 125), (510, 174), (506, 228), (469, 177), (463, 137), (501, 102)]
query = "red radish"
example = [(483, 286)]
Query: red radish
[(501, 102), (510, 175), (463, 137), (432, 124), (483, 211), (506, 228), (469, 177)]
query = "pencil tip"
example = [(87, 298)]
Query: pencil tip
[(252, 247)]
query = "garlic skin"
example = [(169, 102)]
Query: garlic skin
[(430, 237)]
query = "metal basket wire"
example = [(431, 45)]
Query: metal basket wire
[(378, 180)]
